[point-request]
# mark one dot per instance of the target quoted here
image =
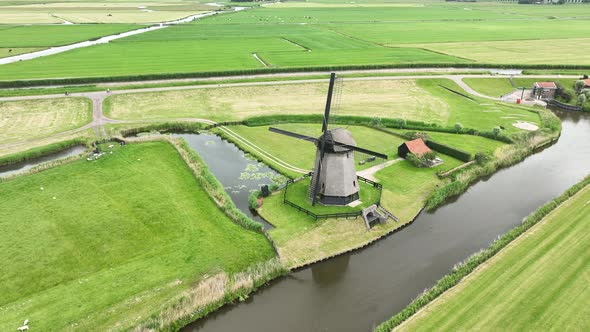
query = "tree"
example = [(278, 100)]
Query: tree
[(458, 127), (496, 131), (579, 85), (581, 100)]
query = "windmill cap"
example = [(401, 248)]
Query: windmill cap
[(340, 135)]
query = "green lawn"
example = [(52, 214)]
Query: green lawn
[(109, 242), (27, 119), (538, 283)]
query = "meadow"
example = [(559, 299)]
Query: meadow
[(300, 35), (32, 119), (379, 98), (78, 260), (538, 282), (42, 36)]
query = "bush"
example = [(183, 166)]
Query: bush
[(164, 127), (253, 199), (458, 127), (581, 100), (423, 161), (482, 158)]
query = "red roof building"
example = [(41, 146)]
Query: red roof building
[(587, 83), (416, 147), (544, 90)]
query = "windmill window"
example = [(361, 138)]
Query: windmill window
[(354, 183)]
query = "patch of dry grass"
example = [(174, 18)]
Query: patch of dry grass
[(382, 98), (28, 119)]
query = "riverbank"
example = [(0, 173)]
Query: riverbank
[(549, 240)]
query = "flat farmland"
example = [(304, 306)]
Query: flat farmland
[(54, 35), (27, 119), (304, 35), (379, 98), (537, 283), (114, 241)]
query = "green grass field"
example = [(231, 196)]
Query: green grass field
[(539, 282), (27, 119), (108, 242), (54, 35), (302, 35)]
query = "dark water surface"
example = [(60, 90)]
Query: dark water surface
[(22, 166), (356, 292), (238, 174)]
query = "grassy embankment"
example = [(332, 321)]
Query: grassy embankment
[(533, 278), (31, 119), (346, 35), (98, 226)]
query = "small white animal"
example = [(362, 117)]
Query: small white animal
[(26, 322)]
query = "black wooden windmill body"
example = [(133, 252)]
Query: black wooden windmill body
[(334, 180)]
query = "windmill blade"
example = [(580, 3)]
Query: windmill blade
[(357, 149), (295, 135), (328, 102)]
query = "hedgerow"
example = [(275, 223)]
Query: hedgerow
[(461, 270), (164, 127), (146, 77), (450, 151)]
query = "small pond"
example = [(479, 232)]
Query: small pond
[(239, 173)]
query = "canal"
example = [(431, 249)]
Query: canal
[(357, 291)]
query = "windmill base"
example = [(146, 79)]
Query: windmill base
[(338, 200)]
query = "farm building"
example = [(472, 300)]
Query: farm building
[(544, 90), (587, 83), (416, 147)]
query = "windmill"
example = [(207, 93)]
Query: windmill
[(334, 180)]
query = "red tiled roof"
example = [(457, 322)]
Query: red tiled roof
[(417, 147), (587, 82), (546, 85)]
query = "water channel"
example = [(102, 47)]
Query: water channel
[(237, 173), (356, 292), (25, 165)]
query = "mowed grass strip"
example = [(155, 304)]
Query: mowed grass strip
[(379, 98), (8, 51), (539, 282), (26, 119), (89, 244), (493, 87)]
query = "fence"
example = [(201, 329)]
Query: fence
[(330, 215), (562, 106)]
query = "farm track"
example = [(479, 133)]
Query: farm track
[(99, 119)]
